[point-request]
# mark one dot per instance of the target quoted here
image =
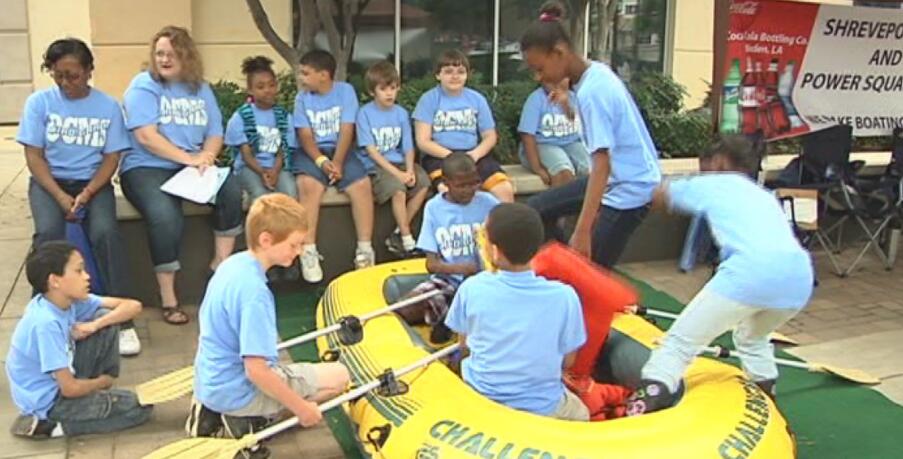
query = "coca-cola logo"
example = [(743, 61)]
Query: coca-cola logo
[(746, 8)]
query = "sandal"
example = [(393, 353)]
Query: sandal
[(174, 315)]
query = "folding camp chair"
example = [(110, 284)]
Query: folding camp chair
[(801, 206), (825, 167)]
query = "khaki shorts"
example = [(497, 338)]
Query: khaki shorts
[(571, 408), (301, 377), (385, 185)]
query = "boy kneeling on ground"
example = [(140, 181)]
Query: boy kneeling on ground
[(64, 352), (240, 385), (521, 329)]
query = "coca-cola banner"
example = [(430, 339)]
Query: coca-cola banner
[(794, 67)]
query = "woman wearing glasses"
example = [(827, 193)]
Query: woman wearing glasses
[(175, 123), (73, 135)]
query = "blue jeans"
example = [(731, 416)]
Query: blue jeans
[(611, 231), (163, 217), (252, 183), (105, 410), (100, 224)]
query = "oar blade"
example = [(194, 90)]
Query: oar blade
[(850, 374), (783, 339), (198, 448), (168, 387)]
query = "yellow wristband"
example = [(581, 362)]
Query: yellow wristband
[(320, 160)]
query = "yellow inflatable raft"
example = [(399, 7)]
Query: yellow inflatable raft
[(721, 414)]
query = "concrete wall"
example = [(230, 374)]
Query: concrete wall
[(15, 59), (119, 32)]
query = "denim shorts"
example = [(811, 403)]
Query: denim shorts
[(572, 157), (352, 170)]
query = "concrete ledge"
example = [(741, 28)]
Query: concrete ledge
[(527, 183), (660, 237)]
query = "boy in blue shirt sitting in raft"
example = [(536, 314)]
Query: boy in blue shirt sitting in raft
[(452, 220), (64, 353), (521, 329), (240, 385), (763, 280)]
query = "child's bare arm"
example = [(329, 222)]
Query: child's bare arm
[(309, 143), (569, 360), (247, 155), (264, 378), (71, 387), (346, 136), (423, 135), (434, 264), (381, 161), (488, 139), (660, 198)]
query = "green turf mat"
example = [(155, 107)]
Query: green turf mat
[(296, 314), (832, 418)]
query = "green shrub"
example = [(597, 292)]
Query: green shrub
[(676, 133)]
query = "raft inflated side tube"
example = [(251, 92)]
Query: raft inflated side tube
[(601, 295)]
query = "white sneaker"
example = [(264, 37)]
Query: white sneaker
[(364, 258), (129, 344), (310, 266)]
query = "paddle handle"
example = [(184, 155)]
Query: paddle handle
[(309, 336), (720, 351), (358, 391)]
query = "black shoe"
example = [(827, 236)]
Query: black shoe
[(202, 421), (239, 426), (29, 426), (650, 397), (394, 244), (769, 386)]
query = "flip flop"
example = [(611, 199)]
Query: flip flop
[(171, 315)]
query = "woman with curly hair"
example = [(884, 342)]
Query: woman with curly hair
[(175, 123)]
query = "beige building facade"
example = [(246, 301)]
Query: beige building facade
[(119, 32)]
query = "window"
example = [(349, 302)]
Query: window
[(429, 27), (629, 34)]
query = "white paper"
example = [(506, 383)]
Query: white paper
[(805, 210), (190, 184)]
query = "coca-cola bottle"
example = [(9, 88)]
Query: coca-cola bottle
[(771, 80), (748, 101), (763, 120)]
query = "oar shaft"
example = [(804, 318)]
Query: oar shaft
[(357, 392), (312, 335), (721, 351)]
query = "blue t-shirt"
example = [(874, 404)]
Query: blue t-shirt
[(547, 121), (74, 133), (519, 327), (326, 113), (457, 121), (269, 140), (186, 118), (237, 319), (762, 263), (612, 121), (450, 230), (41, 344), (389, 130)]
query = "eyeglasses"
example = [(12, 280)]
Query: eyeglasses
[(165, 55), (70, 77)]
